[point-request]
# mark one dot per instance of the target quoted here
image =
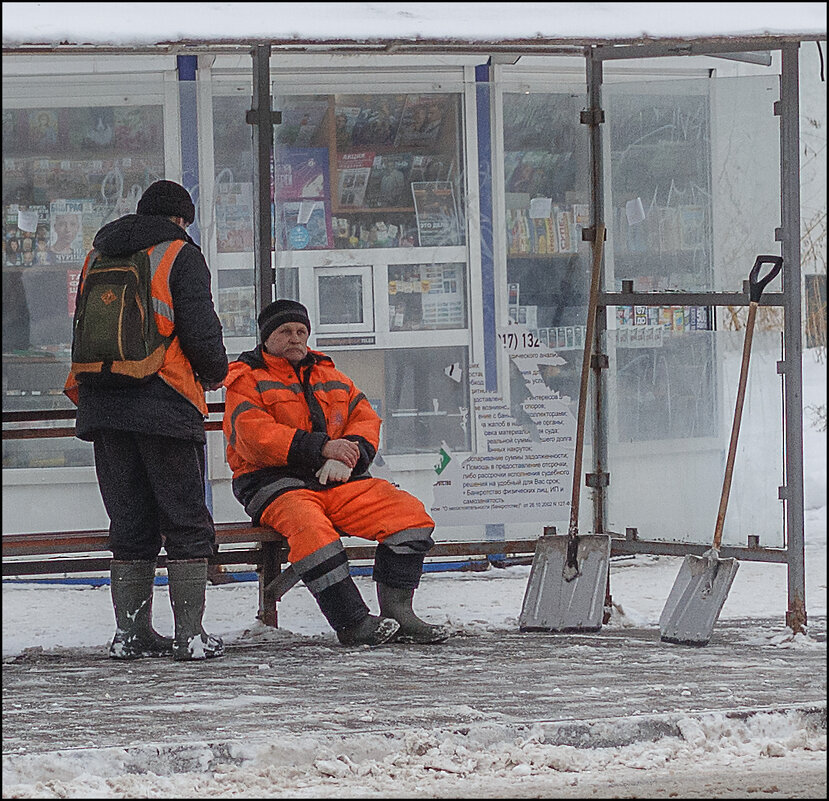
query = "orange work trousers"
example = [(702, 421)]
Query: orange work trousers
[(371, 508)]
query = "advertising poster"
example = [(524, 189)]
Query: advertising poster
[(302, 193), (522, 471), (436, 211)]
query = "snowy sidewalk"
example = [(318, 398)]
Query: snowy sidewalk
[(491, 713), (294, 684)]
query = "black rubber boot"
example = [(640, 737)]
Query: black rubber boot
[(396, 602), (131, 583), (188, 578), (346, 611), (371, 630)]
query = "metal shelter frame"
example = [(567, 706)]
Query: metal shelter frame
[(262, 117)]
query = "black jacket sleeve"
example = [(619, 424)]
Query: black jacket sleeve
[(196, 322)]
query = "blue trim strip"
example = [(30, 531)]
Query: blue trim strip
[(484, 105), (189, 134), (250, 575)]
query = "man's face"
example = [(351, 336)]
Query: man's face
[(66, 227), (290, 341)]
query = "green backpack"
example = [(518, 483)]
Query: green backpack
[(115, 339)]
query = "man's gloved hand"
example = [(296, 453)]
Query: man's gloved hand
[(334, 470)]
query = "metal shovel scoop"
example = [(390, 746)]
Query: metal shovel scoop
[(703, 582), (568, 577)]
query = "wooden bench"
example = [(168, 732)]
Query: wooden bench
[(239, 544)]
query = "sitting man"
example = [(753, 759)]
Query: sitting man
[(300, 439)]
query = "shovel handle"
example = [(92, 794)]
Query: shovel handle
[(592, 305), (756, 285)]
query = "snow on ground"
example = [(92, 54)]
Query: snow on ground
[(772, 754), (778, 755)]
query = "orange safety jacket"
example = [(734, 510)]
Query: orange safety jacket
[(277, 420), (176, 369)]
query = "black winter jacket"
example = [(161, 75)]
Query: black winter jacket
[(154, 407)]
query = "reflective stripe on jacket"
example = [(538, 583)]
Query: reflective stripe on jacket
[(277, 420), (176, 370)]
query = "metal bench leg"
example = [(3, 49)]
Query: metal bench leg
[(269, 570)]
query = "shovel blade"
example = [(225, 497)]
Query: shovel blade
[(555, 600), (698, 595)]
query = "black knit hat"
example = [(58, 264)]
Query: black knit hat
[(279, 312), (167, 199)]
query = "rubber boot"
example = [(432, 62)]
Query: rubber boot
[(131, 583), (347, 613), (371, 630), (188, 578), (396, 602)]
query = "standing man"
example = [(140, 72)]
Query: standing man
[(300, 439), (149, 436)]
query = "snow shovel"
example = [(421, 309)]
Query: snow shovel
[(568, 577), (703, 582)]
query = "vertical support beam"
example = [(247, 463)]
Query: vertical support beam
[(262, 118), (483, 99), (595, 116), (189, 126), (792, 492)]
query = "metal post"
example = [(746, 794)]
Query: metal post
[(262, 118), (792, 490)]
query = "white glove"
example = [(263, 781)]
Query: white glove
[(335, 470)]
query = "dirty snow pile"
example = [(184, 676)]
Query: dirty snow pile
[(486, 761)]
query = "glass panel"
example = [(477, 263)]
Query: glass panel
[(368, 171), (689, 208), (660, 185), (233, 175), (665, 382), (411, 389), (230, 227), (673, 414), (340, 299), (746, 177), (66, 171), (546, 173), (427, 297), (235, 303)]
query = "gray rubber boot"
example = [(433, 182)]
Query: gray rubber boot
[(371, 630), (188, 578), (131, 584), (396, 603)]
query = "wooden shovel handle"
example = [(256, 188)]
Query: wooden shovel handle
[(595, 276), (735, 426), (757, 284)]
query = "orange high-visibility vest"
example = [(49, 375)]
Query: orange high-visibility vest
[(176, 369)]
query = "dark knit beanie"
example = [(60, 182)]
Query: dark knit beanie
[(167, 199), (279, 312)]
